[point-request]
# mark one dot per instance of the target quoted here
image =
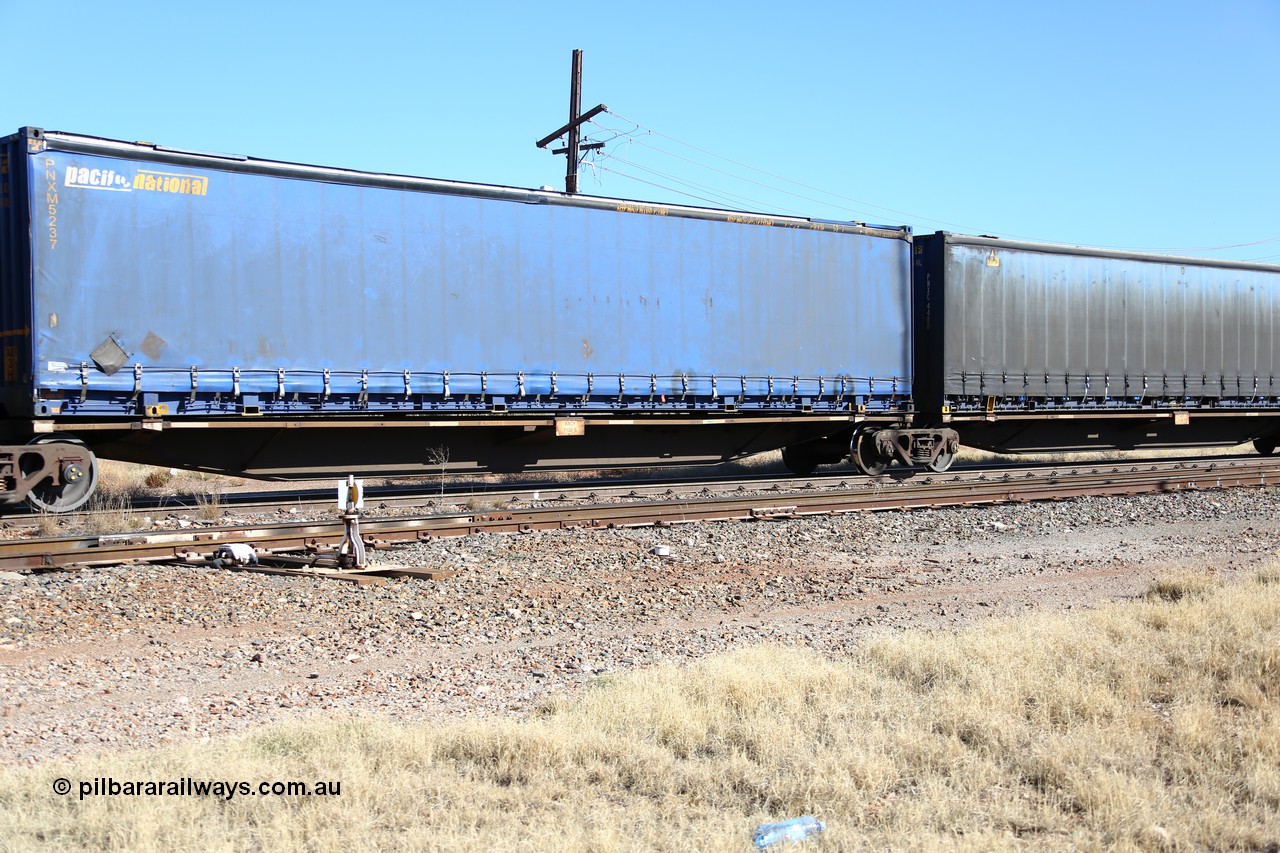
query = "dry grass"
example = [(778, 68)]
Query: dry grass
[(971, 455), (1190, 584), (121, 484), (125, 479), (111, 506), (751, 466), (49, 524), (209, 505), (157, 478), (109, 514), (479, 504), (1145, 726)]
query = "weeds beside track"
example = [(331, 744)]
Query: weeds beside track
[(1144, 726)]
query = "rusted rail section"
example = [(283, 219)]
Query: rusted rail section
[(870, 495)]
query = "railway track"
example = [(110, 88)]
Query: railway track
[(431, 494), (767, 501)]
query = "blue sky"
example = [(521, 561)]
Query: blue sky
[(1146, 125)]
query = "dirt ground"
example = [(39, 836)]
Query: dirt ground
[(127, 657)]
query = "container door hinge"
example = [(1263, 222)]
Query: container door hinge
[(137, 382)]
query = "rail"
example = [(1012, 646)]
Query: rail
[(986, 487)]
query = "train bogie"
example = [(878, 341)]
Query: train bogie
[(284, 321), (225, 313), (872, 448)]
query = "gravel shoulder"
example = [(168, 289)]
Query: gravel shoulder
[(126, 657)]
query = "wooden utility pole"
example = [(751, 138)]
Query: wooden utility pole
[(574, 128), (575, 112)]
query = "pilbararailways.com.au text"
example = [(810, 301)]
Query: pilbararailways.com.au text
[(106, 786)]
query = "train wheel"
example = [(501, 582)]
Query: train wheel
[(79, 479), (798, 462), (865, 456), (942, 463), (1265, 446)]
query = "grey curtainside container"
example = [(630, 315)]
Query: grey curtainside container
[(1009, 327)]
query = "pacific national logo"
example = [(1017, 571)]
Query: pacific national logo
[(97, 179), (144, 180), (169, 182)]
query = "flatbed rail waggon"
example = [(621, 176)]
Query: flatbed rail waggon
[(230, 314)]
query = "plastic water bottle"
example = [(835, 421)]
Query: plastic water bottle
[(787, 831)]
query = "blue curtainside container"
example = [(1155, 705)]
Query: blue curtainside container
[(229, 314), (143, 281)]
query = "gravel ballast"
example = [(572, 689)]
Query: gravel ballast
[(136, 656)]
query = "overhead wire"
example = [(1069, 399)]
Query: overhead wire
[(593, 159), (731, 198), (862, 204), (604, 168), (749, 180)]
